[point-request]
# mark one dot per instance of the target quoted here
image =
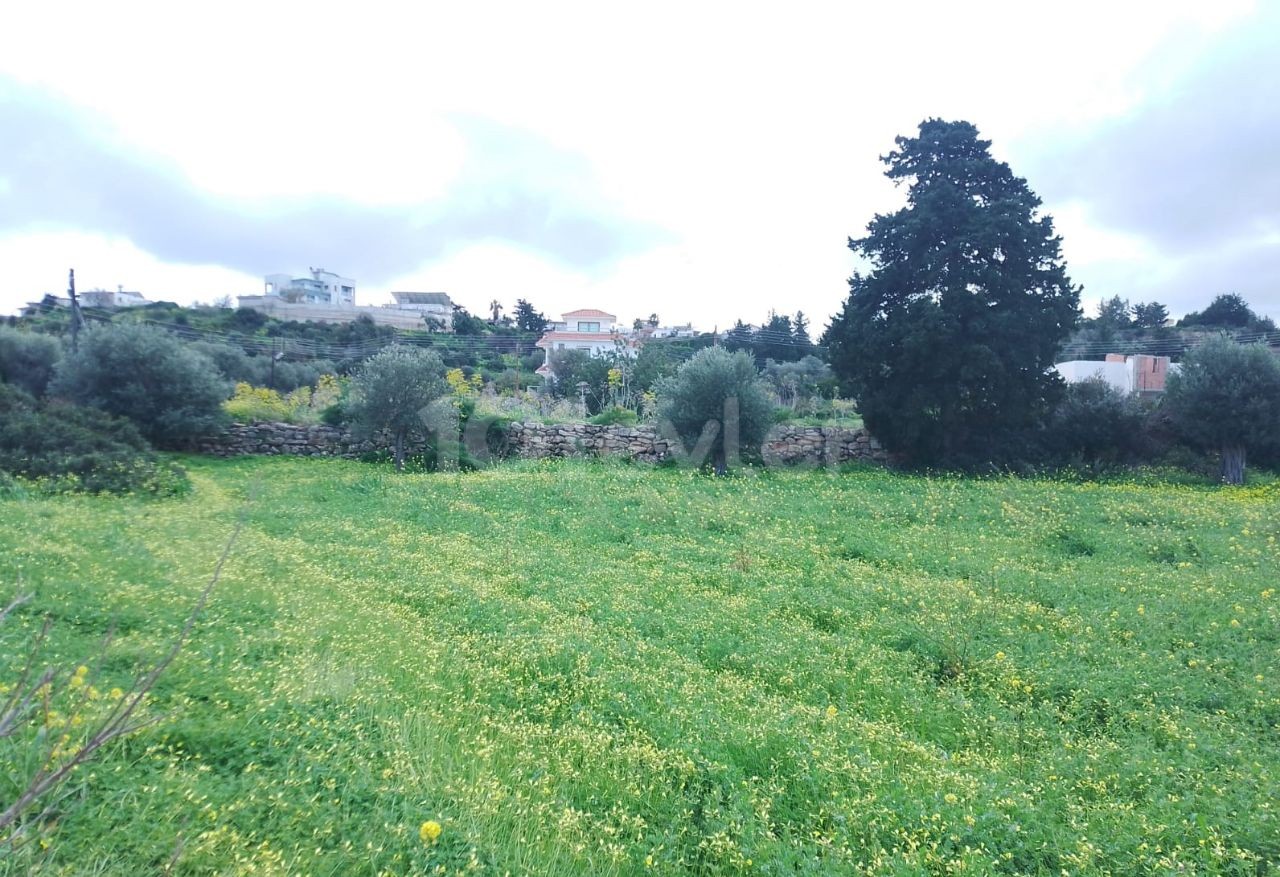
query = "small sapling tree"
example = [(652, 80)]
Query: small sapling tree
[(716, 404), (392, 390)]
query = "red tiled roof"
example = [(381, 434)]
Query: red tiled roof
[(589, 312)]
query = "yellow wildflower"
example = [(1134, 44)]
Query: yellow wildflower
[(429, 831)]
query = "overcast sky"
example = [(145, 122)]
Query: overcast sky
[(704, 161)]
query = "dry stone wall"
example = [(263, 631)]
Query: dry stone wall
[(241, 439), (540, 440), (790, 445)]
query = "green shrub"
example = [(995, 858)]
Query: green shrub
[(66, 448), (239, 367), (616, 416), (496, 440), (171, 393), (27, 359), (1096, 425)]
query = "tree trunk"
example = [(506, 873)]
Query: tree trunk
[(1233, 464), (399, 450)]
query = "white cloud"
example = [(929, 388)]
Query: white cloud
[(37, 262)]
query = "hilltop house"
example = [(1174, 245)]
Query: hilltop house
[(106, 298), (326, 297), (588, 329), (93, 298), (321, 288)]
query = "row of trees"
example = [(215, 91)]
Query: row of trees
[(780, 338), (715, 402), (948, 336)]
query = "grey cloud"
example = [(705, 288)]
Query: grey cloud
[(55, 174), (1251, 270), (1195, 171)]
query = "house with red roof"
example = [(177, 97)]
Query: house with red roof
[(588, 329)]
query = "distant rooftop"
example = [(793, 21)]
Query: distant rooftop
[(589, 312), (423, 298)]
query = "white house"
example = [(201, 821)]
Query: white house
[(321, 288), (105, 298), (587, 329), (1141, 373)]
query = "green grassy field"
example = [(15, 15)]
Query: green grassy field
[(595, 669)]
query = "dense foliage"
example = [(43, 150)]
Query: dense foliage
[(780, 338), (570, 369), (283, 375), (27, 359), (171, 392), (946, 342), (717, 406), (1228, 311), (303, 405), (1226, 398), (574, 669), (798, 383), (392, 390), (1095, 426), (67, 448)]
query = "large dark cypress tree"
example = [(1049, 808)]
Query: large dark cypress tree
[(946, 342)]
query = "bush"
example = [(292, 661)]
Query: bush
[(714, 394), (1095, 425), (569, 368), (797, 383), (239, 367), (66, 448), (27, 359), (303, 405), (171, 393), (495, 431), (616, 416)]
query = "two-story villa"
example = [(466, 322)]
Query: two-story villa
[(586, 329)]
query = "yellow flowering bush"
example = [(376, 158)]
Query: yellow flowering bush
[(303, 405)]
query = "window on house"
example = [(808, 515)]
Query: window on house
[(588, 327)]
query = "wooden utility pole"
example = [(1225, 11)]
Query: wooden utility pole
[(77, 317)]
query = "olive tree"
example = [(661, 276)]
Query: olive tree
[(1226, 397), (716, 405), (392, 390), (171, 392), (27, 359)]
